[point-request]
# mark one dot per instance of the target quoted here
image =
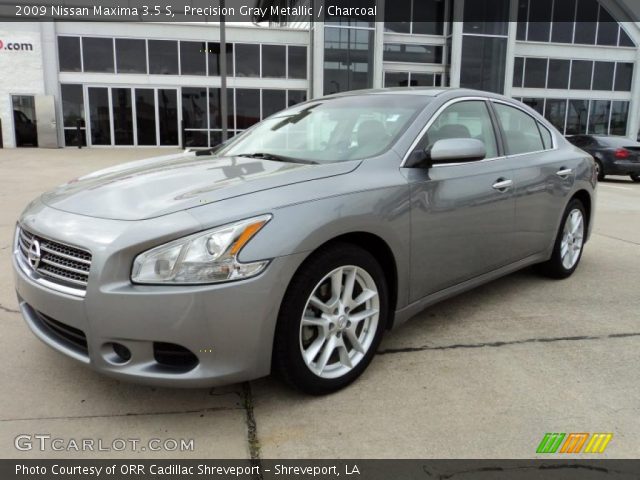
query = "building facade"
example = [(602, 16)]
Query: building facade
[(158, 84)]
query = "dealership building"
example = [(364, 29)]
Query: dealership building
[(112, 84)]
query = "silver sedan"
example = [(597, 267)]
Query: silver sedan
[(294, 246)]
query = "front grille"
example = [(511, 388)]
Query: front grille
[(68, 334), (58, 263)]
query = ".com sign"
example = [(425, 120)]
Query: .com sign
[(16, 46)]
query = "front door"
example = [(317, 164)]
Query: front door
[(462, 214)]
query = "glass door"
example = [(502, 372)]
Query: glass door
[(99, 116), (146, 116), (24, 120), (122, 116), (168, 116)]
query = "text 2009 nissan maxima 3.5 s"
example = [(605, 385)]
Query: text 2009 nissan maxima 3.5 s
[(299, 242)]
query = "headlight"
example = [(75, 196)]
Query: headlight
[(206, 257)]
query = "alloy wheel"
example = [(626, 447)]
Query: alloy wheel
[(572, 239), (339, 321)]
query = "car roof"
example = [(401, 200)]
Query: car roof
[(420, 91)]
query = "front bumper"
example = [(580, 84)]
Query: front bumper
[(229, 327)]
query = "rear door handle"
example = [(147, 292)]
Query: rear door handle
[(502, 184), (564, 172)]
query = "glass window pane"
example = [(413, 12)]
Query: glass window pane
[(247, 107), (521, 130), (558, 74), (348, 59), (69, 54), (603, 75), (422, 80), (555, 112), (72, 105), (489, 17), (396, 79), (619, 114), (539, 20), (297, 62), (122, 116), (468, 119), (247, 60), (131, 55), (168, 116), (535, 72), (518, 67), (624, 74), (71, 137), (215, 109), (194, 107), (398, 10), (163, 57), (295, 97), (273, 101), (97, 54), (398, 52), (195, 138), (274, 61), (581, 74), (193, 60), (428, 16), (213, 49), (599, 117), (145, 116), (99, 116), (607, 29), (625, 40), (562, 25), (546, 136), (523, 13), (577, 117), (483, 63), (536, 103), (586, 18)]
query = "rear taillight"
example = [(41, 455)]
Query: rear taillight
[(621, 153)]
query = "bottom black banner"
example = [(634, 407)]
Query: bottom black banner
[(552, 469)]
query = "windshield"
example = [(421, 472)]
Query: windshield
[(331, 129)]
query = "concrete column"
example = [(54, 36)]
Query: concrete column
[(511, 47), (633, 122), (50, 72), (317, 68), (456, 44)]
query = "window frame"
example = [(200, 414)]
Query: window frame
[(497, 133)]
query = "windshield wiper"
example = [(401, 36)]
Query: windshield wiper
[(276, 158)]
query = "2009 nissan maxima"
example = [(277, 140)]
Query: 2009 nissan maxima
[(297, 244)]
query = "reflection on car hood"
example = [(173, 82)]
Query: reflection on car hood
[(159, 186)]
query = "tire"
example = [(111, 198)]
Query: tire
[(330, 332), (635, 177), (568, 247), (600, 171)]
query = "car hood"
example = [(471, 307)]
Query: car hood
[(160, 186)]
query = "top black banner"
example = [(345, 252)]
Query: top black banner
[(296, 12)]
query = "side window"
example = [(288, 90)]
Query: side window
[(466, 119), (520, 130), (546, 136)]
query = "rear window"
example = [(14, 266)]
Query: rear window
[(521, 130)]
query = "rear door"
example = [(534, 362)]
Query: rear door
[(461, 214), (543, 176)]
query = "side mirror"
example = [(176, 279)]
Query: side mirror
[(454, 150)]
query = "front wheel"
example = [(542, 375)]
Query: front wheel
[(635, 177), (331, 320), (567, 250)]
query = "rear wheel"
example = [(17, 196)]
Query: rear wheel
[(569, 244), (599, 171), (331, 320), (635, 177)]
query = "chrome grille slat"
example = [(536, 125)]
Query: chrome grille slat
[(60, 263)]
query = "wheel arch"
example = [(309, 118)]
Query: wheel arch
[(381, 251)]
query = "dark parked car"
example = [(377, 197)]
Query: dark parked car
[(613, 155)]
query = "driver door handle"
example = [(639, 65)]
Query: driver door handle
[(564, 172), (502, 184)]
